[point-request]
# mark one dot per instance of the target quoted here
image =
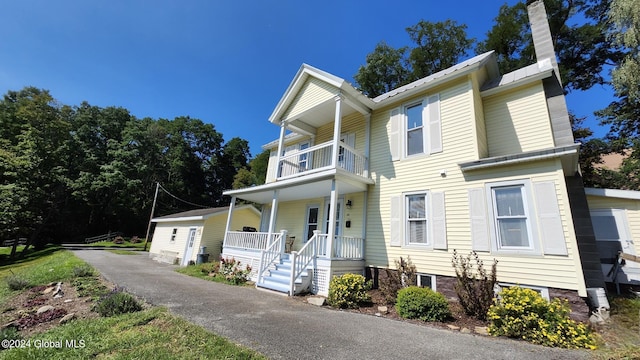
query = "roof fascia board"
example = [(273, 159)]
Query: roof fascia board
[(524, 81), (519, 158), (616, 193)]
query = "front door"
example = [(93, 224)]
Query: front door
[(311, 222), (188, 251), (612, 235)]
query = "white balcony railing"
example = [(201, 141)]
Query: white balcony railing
[(318, 157), (249, 240)]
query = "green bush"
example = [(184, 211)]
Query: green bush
[(475, 288), (348, 291), (117, 302), (15, 282), (82, 271), (422, 303), (8, 333), (524, 314)]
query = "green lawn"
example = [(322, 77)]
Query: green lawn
[(150, 334), (138, 246)]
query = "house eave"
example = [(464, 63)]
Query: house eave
[(569, 155), (541, 71), (613, 193)]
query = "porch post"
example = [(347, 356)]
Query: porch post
[(332, 218), (283, 130), (274, 211), (232, 206), (337, 125), (367, 135)]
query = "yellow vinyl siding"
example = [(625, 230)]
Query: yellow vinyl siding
[(162, 237), (631, 208), (313, 92), (214, 228), (458, 104), (352, 123), (517, 121)]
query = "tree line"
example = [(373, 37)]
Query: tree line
[(597, 42), (68, 172)]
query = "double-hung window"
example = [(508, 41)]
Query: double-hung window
[(511, 217), (415, 129), (416, 217)]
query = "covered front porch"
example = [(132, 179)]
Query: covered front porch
[(293, 252)]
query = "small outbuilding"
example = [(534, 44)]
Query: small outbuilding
[(177, 238)]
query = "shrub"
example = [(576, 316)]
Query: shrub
[(524, 314), (348, 291), (422, 303), (82, 271), (118, 240), (135, 240), (117, 302), (404, 276), (8, 333), (233, 272), (474, 289), (15, 282)]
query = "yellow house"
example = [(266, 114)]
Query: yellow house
[(466, 159), (177, 238)]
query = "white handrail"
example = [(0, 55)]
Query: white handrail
[(300, 260), (271, 254)]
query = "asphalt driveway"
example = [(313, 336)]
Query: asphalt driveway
[(282, 328)]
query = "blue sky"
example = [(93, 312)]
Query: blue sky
[(224, 62)]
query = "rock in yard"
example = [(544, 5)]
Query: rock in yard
[(482, 330), (44, 309), (67, 318), (383, 309), (58, 293), (68, 300), (453, 327), (48, 290), (464, 330), (317, 301)]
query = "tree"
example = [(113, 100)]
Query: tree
[(579, 33), (259, 166), (625, 17), (386, 68), (438, 46)]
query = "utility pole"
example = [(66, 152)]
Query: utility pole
[(153, 208)]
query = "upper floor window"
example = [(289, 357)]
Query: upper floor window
[(415, 129)]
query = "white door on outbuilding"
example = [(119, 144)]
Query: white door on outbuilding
[(188, 251)]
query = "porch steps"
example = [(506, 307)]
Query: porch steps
[(278, 278)]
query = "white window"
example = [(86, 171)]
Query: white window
[(415, 129), (512, 219), (426, 280), (303, 159), (543, 291), (416, 219), (173, 234)]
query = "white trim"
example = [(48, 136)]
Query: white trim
[(433, 280), (405, 220), (519, 158), (205, 217), (531, 217), (622, 194), (544, 291)]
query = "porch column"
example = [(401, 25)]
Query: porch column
[(274, 211), (232, 206), (283, 131), (333, 204), (337, 125), (367, 135)]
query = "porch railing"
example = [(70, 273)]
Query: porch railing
[(271, 254), (318, 157), (300, 260), (249, 240), (344, 247)]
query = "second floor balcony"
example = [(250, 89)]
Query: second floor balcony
[(322, 157)]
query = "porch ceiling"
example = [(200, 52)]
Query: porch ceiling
[(309, 187), (320, 115)]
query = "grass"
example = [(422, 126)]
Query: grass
[(149, 334), (124, 252), (622, 332), (39, 267), (202, 271)]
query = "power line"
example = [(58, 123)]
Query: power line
[(184, 201)]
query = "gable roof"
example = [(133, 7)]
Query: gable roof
[(459, 69), (298, 82), (540, 70), (200, 214)]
